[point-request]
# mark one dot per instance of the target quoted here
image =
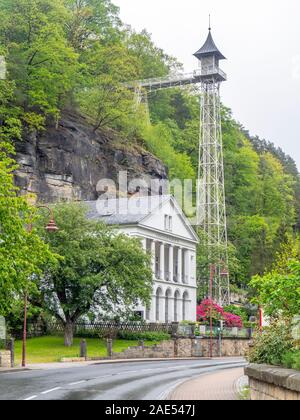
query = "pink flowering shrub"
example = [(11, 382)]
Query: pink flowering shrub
[(232, 320), (203, 310), (218, 313)]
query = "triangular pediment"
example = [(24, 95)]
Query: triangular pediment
[(180, 226)]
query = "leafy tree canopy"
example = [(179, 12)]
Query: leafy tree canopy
[(100, 270)]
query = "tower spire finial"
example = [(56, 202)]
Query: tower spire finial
[(209, 28)]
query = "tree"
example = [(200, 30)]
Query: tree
[(91, 22), (279, 293), (101, 271), (22, 254), (39, 60), (279, 290)]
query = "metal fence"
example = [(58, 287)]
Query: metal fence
[(107, 329), (225, 332), (95, 329)]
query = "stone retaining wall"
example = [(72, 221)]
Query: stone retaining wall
[(273, 383), (186, 347), (5, 359)]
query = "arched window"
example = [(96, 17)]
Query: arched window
[(185, 299), (176, 306)]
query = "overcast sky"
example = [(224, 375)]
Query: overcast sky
[(261, 40)]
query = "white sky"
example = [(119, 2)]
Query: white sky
[(261, 40)]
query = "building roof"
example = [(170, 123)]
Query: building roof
[(209, 48), (124, 211)]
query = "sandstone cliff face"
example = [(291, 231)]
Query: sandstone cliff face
[(67, 162)]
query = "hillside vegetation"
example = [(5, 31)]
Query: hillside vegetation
[(76, 54)]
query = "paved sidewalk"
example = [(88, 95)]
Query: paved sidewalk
[(223, 385)]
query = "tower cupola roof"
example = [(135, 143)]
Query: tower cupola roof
[(209, 48)]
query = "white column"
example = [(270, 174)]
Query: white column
[(153, 257), (162, 261), (179, 265), (171, 262)]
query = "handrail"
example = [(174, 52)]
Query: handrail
[(194, 77)]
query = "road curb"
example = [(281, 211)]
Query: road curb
[(69, 365), (14, 370)]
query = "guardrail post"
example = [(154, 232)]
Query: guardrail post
[(109, 344), (174, 327), (83, 349), (12, 352)]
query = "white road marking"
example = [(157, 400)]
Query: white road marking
[(50, 390), (77, 383), (177, 367), (31, 398)]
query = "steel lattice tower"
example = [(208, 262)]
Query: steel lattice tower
[(211, 207)]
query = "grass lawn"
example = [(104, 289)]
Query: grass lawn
[(51, 349)]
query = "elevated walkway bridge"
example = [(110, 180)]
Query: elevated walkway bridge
[(214, 74)]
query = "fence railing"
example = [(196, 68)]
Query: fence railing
[(108, 328), (95, 329)]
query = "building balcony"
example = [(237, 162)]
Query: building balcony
[(211, 72)]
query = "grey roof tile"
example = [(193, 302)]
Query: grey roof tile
[(124, 211), (209, 48)]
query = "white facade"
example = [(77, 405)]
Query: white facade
[(169, 237)]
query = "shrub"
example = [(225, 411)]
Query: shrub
[(145, 336), (218, 314), (232, 320), (291, 359), (271, 346)]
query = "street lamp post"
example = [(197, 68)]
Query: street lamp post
[(51, 227), (212, 273), (224, 275)]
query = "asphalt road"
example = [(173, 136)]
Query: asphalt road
[(122, 381)]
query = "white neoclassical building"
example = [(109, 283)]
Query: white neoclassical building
[(166, 233)]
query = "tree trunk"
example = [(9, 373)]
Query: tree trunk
[(69, 334)]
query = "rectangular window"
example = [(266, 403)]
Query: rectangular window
[(166, 222), (170, 223)]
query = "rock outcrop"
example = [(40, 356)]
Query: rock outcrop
[(68, 161)]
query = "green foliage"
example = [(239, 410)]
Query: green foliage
[(279, 292), (239, 311), (271, 346), (32, 33), (158, 139), (22, 254), (291, 359), (78, 54), (145, 336)]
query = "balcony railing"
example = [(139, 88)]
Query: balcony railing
[(210, 71)]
